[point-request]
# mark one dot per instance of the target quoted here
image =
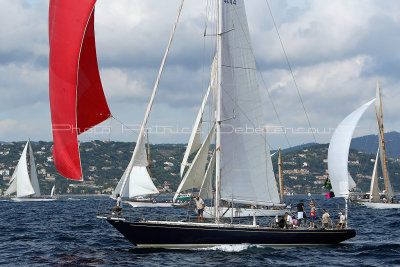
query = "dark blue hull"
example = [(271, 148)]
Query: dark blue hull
[(167, 234)]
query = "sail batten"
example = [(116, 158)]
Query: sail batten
[(338, 152)]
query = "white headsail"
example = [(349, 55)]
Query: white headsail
[(194, 140), (33, 172), (194, 176), (374, 189), (206, 189), (338, 153), (246, 172)]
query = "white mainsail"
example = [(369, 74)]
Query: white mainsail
[(33, 172), (246, 172), (338, 153), (194, 176), (374, 189), (194, 140)]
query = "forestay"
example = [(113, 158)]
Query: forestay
[(338, 153), (246, 168)]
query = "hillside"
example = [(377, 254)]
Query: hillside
[(369, 144), (103, 163)]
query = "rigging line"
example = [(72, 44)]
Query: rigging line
[(274, 108), (291, 71), (123, 124)]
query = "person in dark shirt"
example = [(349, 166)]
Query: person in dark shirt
[(300, 212)]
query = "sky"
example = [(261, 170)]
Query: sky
[(336, 49)]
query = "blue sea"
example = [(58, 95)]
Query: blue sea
[(66, 232)]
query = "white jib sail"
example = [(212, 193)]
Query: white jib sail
[(246, 168), (13, 183), (194, 176), (53, 190), (338, 153), (194, 140), (374, 189), (206, 189), (140, 182), (125, 192), (33, 172)]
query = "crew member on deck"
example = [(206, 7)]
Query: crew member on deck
[(118, 204), (200, 208)]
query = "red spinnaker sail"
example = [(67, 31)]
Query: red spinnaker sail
[(77, 99)]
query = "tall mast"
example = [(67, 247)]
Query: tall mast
[(280, 174), (380, 125), (218, 114)]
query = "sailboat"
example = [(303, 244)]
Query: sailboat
[(24, 181), (237, 156), (137, 184), (78, 103), (341, 180), (375, 201)]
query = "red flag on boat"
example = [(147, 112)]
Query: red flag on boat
[(77, 100)]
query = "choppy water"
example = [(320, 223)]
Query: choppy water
[(67, 233)]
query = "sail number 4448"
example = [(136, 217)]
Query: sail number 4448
[(232, 2)]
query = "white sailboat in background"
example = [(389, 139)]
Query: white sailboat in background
[(341, 180), (24, 181), (375, 201)]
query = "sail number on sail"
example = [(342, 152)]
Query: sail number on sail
[(232, 2)]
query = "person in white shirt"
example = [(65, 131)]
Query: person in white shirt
[(342, 221), (118, 204), (200, 208), (325, 219), (288, 221)]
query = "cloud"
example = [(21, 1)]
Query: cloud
[(336, 49)]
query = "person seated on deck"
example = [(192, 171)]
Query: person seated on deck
[(294, 221), (342, 221), (288, 221)]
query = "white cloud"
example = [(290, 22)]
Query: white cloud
[(336, 49)]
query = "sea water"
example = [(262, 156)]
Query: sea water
[(66, 232)]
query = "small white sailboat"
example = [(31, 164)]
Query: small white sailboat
[(24, 181)]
